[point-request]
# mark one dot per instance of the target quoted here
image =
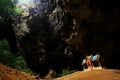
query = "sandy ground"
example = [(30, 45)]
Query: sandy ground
[(8, 73), (105, 74)]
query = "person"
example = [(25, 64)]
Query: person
[(83, 63), (88, 61)]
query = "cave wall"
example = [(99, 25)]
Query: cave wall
[(83, 26), (42, 38), (99, 20)]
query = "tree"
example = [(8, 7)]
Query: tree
[(6, 8)]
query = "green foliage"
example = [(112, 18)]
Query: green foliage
[(6, 8), (7, 58), (5, 55), (4, 44), (18, 11), (20, 64)]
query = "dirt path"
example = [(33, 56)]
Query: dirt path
[(105, 74), (7, 73)]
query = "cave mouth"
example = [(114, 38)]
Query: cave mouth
[(91, 29), (25, 5), (29, 3)]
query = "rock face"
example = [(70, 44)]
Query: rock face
[(43, 33), (56, 34)]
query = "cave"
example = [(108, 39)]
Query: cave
[(50, 27)]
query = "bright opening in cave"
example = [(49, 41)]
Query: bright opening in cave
[(25, 5), (27, 2), (41, 6)]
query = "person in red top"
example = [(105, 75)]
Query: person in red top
[(88, 61)]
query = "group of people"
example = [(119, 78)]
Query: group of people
[(89, 61)]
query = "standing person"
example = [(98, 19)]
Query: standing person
[(88, 61)]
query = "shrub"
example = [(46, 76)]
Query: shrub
[(7, 58)]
